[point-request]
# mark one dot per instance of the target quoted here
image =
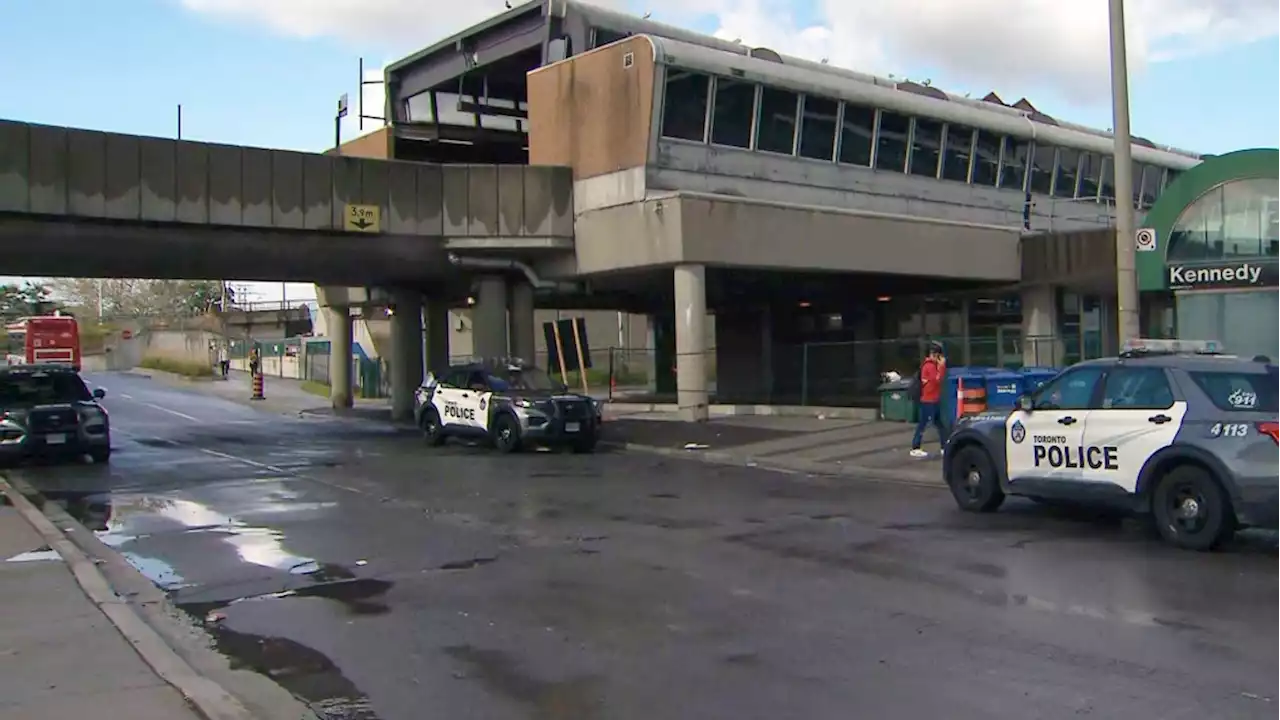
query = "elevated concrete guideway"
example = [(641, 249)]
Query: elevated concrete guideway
[(84, 203)]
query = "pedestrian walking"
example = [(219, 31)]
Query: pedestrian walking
[(928, 391), (224, 361), (255, 363)]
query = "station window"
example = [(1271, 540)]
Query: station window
[(1090, 174), (1137, 183), (421, 108), (818, 128), (731, 119), (1064, 180), (776, 127), (957, 153), (926, 146), (1042, 168), (891, 141), (684, 107), (604, 36), (857, 130), (986, 161), (1169, 176), (1150, 190), (1013, 173), (1107, 184)]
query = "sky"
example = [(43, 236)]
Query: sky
[(1203, 73)]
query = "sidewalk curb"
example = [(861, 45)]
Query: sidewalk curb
[(861, 473), (208, 699)]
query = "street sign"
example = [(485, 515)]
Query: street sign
[(343, 103), (362, 218), (1144, 240)]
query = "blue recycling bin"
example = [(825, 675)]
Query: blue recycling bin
[(1034, 377), (1003, 389), (973, 377)]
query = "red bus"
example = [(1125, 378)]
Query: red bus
[(43, 339)]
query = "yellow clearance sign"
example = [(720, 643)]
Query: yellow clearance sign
[(362, 218)]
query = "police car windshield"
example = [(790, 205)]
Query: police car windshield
[(27, 389), (530, 379)]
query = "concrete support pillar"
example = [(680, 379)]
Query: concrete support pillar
[(1041, 341), (338, 323), (489, 318), (520, 313), (406, 352), (692, 398), (436, 316)]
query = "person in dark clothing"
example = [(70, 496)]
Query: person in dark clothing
[(933, 372)]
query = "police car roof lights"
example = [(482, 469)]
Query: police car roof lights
[(1158, 346)]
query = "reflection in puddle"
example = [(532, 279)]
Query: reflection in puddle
[(254, 545), (157, 571), (43, 553)]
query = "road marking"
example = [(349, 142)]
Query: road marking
[(126, 397), (280, 470), (171, 412)]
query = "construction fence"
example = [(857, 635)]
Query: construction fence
[(818, 373)]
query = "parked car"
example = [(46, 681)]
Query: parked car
[(48, 411)]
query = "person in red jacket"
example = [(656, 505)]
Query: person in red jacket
[(933, 373)]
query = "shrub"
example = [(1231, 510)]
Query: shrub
[(185, 368)]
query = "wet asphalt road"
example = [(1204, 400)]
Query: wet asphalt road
[(376, 578)]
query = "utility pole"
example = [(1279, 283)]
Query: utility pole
[(1127, 322), (179, 121)]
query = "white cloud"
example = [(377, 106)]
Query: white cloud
[(1016, 47)]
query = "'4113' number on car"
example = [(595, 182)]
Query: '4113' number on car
[(1229, 430)]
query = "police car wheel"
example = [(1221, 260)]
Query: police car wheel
[(432, 431), (1191, 510), (100, 455), (506, 434), (973, 481)]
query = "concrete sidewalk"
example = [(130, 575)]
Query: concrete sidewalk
[(61, 655)]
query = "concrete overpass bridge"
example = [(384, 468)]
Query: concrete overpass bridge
[(82, 203)]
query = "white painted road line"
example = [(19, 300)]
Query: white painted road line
[(161, 408)]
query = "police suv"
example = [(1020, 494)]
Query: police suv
[(507, 403), (1171, 428)]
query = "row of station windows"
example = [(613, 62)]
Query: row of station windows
[(736, 113)]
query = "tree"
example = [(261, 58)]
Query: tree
[(27, 299), (138, 298)]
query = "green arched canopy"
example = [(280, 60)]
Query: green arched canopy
[(1223, 209)]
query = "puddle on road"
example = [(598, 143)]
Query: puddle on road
[(303, 671)]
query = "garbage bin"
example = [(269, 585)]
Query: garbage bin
[(1034, 377), (896, 404), (972, 377), (1003, 389)]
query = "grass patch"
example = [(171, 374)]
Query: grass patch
[(185, 368), (315, 388)]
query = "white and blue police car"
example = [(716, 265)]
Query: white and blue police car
[(506, 403), (1171, 428)]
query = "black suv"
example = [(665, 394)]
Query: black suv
[(47, 410)]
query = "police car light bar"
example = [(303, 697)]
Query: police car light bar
[(1158, 346)]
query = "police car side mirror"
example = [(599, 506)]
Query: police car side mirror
[(1024, 403)]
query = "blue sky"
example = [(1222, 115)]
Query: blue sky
[(125, 65)]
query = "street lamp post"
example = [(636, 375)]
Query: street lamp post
[(1127, 323)]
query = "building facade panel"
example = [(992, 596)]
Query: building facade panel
[(593, 112)]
